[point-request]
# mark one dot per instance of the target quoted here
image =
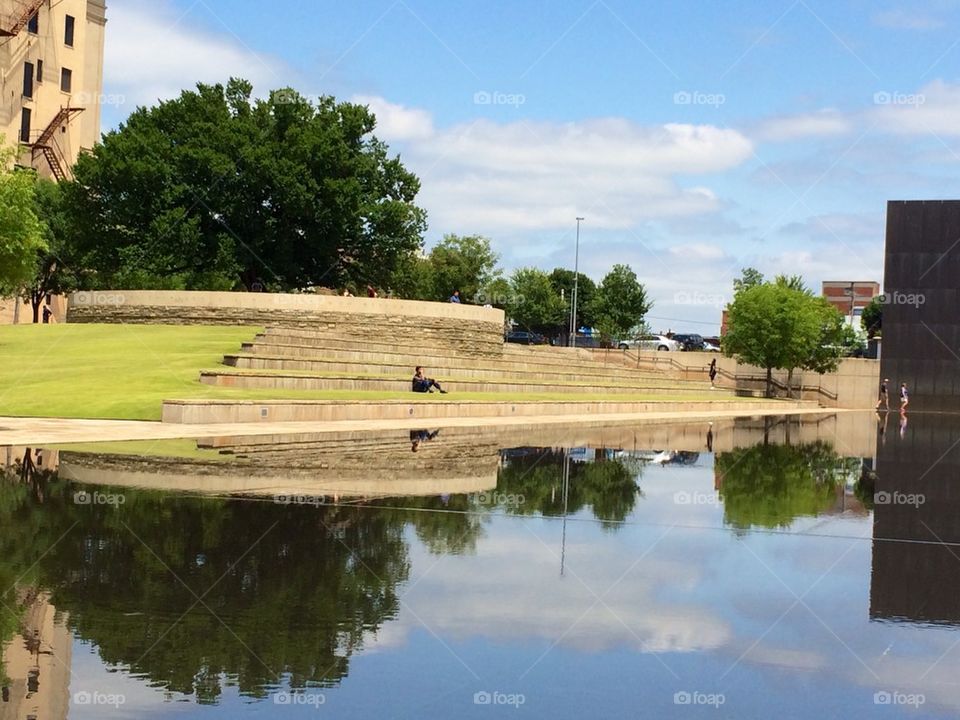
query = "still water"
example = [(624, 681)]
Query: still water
[(797, 567)]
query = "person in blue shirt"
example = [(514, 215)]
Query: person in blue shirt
[(455, 298)]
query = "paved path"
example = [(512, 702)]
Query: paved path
[(58, 431)]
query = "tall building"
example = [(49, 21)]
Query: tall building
[(850, 297), (51, 52)]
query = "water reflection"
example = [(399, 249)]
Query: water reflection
[(209, 595)]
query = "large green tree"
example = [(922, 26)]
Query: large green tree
[(21, 231), (464, 263), (534, 303), (777, 326), (872, 318), (620, 303), (217, 190), (562, 281)]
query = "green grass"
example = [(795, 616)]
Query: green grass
[(127, 371)]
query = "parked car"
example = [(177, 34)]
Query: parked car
[(689, 341), (591, 341), (524, 337), (650, 342), (710, 347)]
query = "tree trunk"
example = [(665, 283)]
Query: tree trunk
[(769, 382), (790, 383)]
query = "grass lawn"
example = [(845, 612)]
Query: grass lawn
[(126, 371)]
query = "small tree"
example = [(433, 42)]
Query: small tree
[(462, 262), (533, 302), (620, 303), (872, 318), (773, 326), (21, 231)]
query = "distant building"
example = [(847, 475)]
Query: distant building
[(51, 53), (850, 297)]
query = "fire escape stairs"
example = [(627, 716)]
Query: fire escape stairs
[(20, 21), (43, 143)]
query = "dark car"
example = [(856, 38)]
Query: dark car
[(592, 341), (525, 338), (689, 342)]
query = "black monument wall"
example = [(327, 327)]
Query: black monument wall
[(921, 319), (916, 545)]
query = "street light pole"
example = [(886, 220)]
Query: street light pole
[(576, 279)]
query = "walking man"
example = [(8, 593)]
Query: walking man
[(884, 395), (904, 398), (713, 373)]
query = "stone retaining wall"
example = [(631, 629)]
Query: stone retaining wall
[(465, 328)]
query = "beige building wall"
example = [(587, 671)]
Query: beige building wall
[(64, 116)]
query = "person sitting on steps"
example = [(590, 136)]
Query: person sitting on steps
[(424, 384)]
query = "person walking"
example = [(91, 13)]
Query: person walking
[(884, 395), (713, 373), (904, 398)]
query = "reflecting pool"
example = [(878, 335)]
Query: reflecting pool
[(802, 567)]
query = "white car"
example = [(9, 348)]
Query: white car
[(710, 347), (650, 342)]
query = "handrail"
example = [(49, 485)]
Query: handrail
[(735, 378)]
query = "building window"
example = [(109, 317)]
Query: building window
[(66, 80), (68, 31), (33, 24), (28, 80), (25, 125), (39, 71)]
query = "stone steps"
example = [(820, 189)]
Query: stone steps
[(443, 368), (278, 380), (517, 357), (427, 410)]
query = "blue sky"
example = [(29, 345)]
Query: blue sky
[(695, 138)]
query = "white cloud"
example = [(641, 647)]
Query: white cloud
[(528, 175), (906, 20), (396, 122), (824, 123), (933, 109), (154, 53)]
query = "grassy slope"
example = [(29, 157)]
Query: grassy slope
[(126, 371)]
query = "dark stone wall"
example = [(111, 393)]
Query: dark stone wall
[(916, 521), (921, 317)]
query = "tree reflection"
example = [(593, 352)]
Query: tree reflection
[(607, 485), (188, 591), (771, 485)]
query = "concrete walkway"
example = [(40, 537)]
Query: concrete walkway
[(59, 431)]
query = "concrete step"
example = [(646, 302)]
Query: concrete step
[(533, 358), (440, 367), (324, 411), (306, 382)]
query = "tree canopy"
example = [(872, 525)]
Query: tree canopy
[(462, 262), (620, 303), (21, 231), (535, 303), (216, 190)]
